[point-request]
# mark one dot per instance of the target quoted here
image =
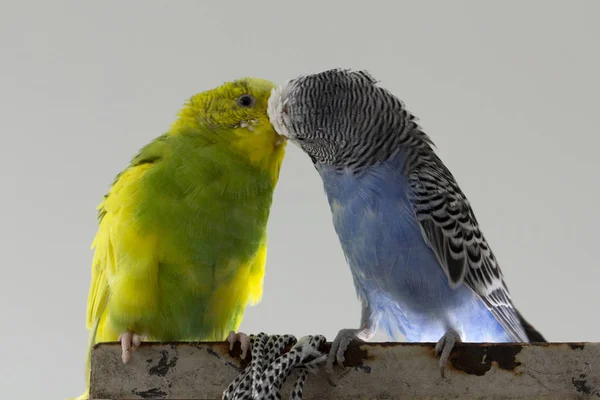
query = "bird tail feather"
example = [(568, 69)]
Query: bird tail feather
[(532, 334)]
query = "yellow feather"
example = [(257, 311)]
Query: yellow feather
[(256, 141)]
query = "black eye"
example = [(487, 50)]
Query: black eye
[(246, 100)]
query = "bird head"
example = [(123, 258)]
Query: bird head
[(234, 116), (340, 117)]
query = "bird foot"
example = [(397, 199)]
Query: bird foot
[(444, 347), (129, 342), (244, 340), (338, 349)]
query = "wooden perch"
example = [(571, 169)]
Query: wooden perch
[(194, 371)]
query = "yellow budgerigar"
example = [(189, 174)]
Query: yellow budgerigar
[(181, 245)]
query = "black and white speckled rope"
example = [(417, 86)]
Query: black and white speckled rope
[(269, 369)]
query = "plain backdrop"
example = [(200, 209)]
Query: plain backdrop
[(507, 90)]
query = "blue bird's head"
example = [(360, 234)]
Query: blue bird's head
[(342, 118)]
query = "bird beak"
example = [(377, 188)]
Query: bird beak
[(280, 140), (277, 111)]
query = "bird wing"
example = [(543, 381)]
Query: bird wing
[(451, 230), (116, 241)]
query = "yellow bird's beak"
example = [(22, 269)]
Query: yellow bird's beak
[(280, 140)]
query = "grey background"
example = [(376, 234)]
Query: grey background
[(507, 90)]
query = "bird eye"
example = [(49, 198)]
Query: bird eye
[(246, 100)]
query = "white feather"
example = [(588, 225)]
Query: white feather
[(276, 109)]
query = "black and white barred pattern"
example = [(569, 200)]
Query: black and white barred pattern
[(269, 368), (450, 228), (329, 115)]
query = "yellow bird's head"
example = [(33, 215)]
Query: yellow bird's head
[(235, 115)]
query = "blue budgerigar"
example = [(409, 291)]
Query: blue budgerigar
[(419, 261)]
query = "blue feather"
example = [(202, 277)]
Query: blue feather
[(394, 269)]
